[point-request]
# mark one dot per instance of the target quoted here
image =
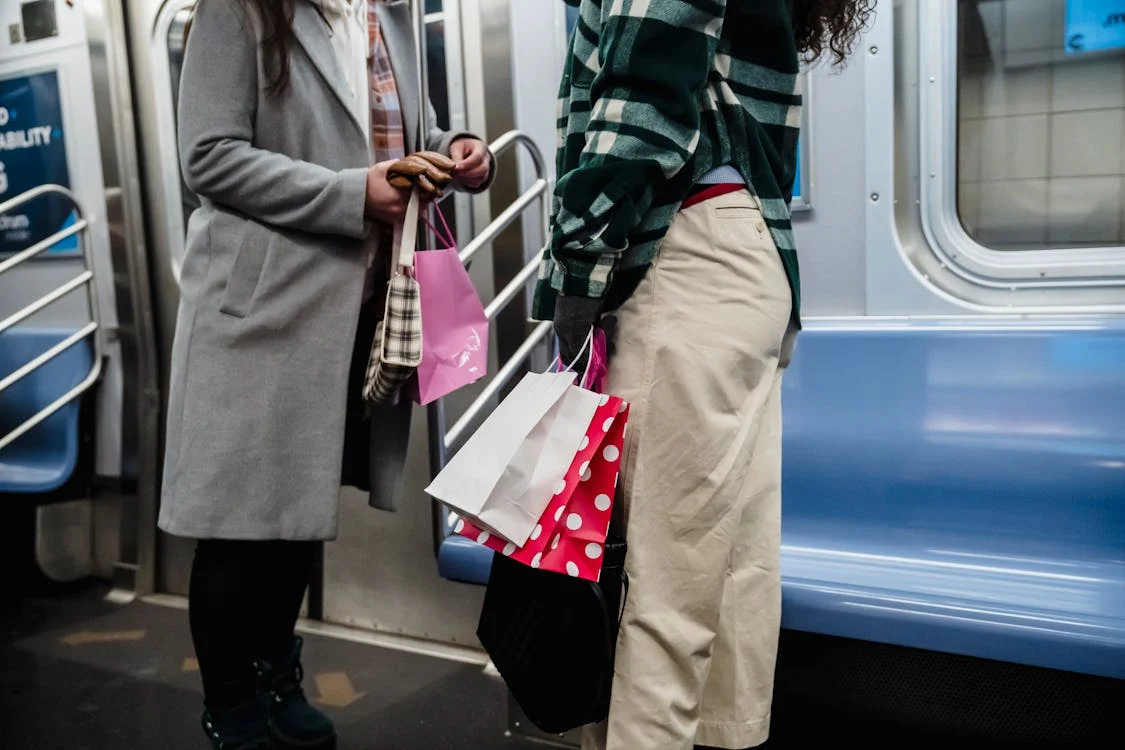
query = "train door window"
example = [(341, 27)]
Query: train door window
[(571, 19), (435, 61), (1040, 123), (438, 82), (802, 179), (175, 43)]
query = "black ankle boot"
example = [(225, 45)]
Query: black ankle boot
[(240, 728), (293, 723)]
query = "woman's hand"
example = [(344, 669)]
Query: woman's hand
[(473, 162), (385, 202)]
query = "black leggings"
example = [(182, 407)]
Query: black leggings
[(244, 600)]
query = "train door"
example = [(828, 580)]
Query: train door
[(155, 39), (61, 376)]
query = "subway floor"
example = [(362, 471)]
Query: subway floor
[(78, 672)]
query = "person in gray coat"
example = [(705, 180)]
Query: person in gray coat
[(290, 112)]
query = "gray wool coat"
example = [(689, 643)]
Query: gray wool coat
[(272, 286)]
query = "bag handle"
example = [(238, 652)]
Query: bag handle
[(447, 235), (587, 344), (406, 240), (406, 235), (578, 357)]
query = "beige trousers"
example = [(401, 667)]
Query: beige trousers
[(700, 352)]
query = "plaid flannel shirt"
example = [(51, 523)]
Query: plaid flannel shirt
[(655, 94)]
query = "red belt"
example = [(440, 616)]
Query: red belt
[(702, 193)]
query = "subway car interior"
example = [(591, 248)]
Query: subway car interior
[(953, 551)]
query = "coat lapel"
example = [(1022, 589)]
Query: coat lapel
[(312, 34), (398, 32)]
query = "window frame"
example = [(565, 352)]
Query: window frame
[(955, 248), (804, 202), (175, 224)]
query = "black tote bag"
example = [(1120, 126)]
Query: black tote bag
[(553, 638)]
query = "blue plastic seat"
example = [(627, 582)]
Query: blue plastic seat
[(44, 459)]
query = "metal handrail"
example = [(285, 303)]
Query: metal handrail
[(443, 442), (91, 330), (538, 189)]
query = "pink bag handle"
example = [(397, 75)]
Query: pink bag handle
[(595, 367), (447, 236)]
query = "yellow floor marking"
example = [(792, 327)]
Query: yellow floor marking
[(86, 637), (336, 689)]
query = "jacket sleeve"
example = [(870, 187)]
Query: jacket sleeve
[(653, 60), (218, 102)]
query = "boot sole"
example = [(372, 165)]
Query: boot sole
[(279, 741)]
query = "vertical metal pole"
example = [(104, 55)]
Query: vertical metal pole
[(135, 569), (435, 413), (435, 428), (423, 73)]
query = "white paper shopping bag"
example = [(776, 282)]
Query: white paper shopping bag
[(516, 506), (469, 478)]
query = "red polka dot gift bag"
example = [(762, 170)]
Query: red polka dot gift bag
[(571, 534)]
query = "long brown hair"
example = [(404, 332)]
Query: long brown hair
[(829, 27), (276, 17)]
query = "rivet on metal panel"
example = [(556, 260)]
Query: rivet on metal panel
[(874, 50), (874, 197)]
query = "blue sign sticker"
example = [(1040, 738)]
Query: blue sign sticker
[(571, 19), (1093, 25), (797, 179), (33, 153)]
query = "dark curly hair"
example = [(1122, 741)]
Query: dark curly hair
[(829, 27)]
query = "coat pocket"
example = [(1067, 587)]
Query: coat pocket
[(246, 272)]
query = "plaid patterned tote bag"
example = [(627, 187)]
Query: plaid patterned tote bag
[(397, 349)]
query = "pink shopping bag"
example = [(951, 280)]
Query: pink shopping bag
[(570, 537), (454, 326)]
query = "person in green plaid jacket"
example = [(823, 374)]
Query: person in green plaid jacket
[(678, 126)]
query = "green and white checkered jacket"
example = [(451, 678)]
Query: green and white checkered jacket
[(655, 94)]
